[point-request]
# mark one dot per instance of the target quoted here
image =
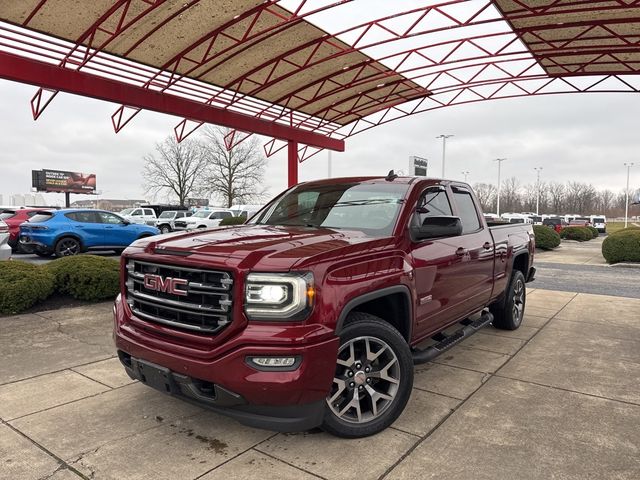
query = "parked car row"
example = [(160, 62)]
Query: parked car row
[(47, 232)]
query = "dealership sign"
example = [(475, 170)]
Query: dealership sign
[(418, 166), (63, 181)]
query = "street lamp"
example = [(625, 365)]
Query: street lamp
[(626, 203), (499, 160), (538, 170), (466, 174), (444, 149)]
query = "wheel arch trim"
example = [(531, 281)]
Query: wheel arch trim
[(374, 295)]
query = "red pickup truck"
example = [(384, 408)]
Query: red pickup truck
[(315, 311)]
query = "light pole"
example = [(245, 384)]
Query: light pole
[(444, 149), (626, 203), (538, 170), (499, 160), (466, 174), (329, 164)]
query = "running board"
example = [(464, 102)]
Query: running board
[(445, 342)]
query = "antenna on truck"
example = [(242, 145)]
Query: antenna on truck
[(391, 176)]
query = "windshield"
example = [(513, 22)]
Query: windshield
[(127, 211), (371, 208), (202, 214), (7, 214), (168, 214)]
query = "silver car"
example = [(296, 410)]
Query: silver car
[(5, 249)]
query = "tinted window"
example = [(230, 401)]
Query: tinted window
[(7, 214), (136, 213), (82, 217), (599, 220), (148, 211), (434, 203), (41, 217), (466, 211), (109, 218)]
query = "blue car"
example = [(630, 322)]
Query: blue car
[(72, 231)]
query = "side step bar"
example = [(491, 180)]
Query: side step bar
[(445, 342)]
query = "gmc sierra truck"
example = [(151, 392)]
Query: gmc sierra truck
[(315, 311)]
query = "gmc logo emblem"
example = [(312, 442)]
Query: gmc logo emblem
[(167, 285)]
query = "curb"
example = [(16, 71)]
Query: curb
[(626, 265)]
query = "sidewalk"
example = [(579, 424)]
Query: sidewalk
[(557, 398)]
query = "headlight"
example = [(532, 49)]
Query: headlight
[(279, 296)]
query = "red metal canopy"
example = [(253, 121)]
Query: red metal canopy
[(309, 72)]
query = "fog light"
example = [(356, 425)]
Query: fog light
[(273, 362)]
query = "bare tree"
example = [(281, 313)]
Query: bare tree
[(236, 175), (510, 200), (557, 194), (176, 169), (486, 194)]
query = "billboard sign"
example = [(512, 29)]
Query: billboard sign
[(418, 166), (63, 181)]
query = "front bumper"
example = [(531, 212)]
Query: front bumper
[(280, 400), (289, 418)]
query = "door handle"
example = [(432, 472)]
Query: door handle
[(487, 246), (461, 251)]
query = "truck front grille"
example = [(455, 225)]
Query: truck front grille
[(181, 297)]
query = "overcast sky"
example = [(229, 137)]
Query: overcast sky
[(575, 137)]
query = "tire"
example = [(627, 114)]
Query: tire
[(388, 356), (508, 315), (67, 246), (165, 229)]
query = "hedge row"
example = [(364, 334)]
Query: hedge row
[(581, 234), (622, 246), (85, 277), (546, 238)]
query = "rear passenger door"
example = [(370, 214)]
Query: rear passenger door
[(87, 227), (476, 253)]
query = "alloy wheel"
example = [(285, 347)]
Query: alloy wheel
[(366, 380), (518, 301)]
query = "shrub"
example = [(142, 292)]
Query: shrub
[(628, 229), (86, 277), (622, 246), (22, 285), (232, 221), (581, 234), (594, 232), (546, 238)]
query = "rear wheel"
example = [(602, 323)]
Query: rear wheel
[(67, 246), (373, 378), (508, 316), (165, 229)]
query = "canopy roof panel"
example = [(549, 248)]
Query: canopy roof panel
[(327, 68)]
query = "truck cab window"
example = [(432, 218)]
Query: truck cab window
[(433, 203), (467, 211)]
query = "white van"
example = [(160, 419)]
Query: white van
[(599, 222)]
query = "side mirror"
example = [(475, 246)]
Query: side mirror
[(434, 227), (125, 222)]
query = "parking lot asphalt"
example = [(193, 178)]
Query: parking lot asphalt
[(580, 267), (557, 398)]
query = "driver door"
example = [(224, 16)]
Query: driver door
[(117, 233), (437, 267)]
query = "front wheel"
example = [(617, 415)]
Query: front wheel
[(67, 246), (372, 381), (508, 316), (165, 229)]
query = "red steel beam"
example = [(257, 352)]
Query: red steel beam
[(292, 163), (26, 70)]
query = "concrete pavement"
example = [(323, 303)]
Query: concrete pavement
[(557, 398)]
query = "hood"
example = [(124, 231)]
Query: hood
[(263, 247)]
